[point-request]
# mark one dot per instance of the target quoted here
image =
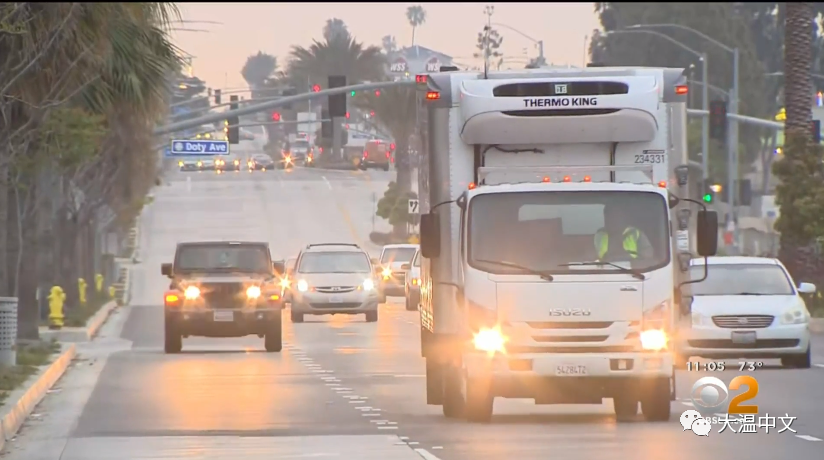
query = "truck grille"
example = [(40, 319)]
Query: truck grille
[(743, 321), (222, 295)]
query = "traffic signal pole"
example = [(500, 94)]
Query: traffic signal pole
[(268, 106)]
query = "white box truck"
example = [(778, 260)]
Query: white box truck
[(557, 226)]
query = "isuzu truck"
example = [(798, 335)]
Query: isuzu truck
[(558, 221)]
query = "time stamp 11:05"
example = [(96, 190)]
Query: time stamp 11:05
[(717, 366)]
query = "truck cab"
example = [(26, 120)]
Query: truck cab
[(529, 288)]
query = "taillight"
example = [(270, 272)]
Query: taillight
[(171, 299), (365, 154), (387, 154)]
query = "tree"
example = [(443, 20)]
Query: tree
[(396, 113), (338, 54), (416, 16), (258, 68), (393, 207), (801, 193), (489, 44), (389, 44), (71, 66)]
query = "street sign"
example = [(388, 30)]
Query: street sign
[(413, 207), (198, 147)]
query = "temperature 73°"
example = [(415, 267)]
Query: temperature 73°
[(749, 365)]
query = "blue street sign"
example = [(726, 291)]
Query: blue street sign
[(198, 147)]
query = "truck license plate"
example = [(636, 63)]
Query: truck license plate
[(224, 316), (568, 369), (744, 338), (335, 299)]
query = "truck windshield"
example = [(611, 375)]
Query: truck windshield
[(201, 257), (547, 231)]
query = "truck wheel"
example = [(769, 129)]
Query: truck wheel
[(297, 317), (479, 401), (655, 403), (173, 341), (434, 383), (626, 407), (407, 303), (273, 340), (453, 398), (372, 316)]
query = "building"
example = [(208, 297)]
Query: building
[(407, 62)]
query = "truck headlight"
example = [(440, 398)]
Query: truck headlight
[(368, 285), (303, 286), (654, 340), (490, 340), (253, 292), (191, 292), (285, 283), (794, 315)]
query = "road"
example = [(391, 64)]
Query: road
[(342, 388)]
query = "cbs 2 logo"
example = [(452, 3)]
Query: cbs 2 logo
[(704, 396)]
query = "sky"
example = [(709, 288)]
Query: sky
[(220, 50)]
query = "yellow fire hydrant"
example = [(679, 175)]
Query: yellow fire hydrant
[(112, 292), (56, 300), (98, 283), (81, 290)]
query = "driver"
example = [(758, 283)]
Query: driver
[(619, 239)]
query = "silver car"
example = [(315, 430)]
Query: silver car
[(331, 279)]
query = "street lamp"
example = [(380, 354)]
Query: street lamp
[(540, 43), (732, 138), (705, 122)]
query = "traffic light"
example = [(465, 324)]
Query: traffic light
[(347, 115), (276, 116), (392, 146), (217, 97), (352, 94), (337, 103), (372, 113), (233, 130), (718, 120), (709, 195), (315, 88), (816, 126), (377, 93), (744, 192)]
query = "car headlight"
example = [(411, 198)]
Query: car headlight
[(416, 281), (191, 292), (795, 315), (386, 273), (285, 283), (368, 285), (654, 340), (303, 286), (253, 292), (199, 164), (490, 340), (180, 163)]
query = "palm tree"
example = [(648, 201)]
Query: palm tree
[(338, 54), (101, 61), (257, 69), (801, 162), (416, 16)]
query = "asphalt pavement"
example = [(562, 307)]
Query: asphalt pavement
[(341, 388)]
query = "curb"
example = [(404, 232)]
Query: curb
[(35, 392), (82, 334), (817, 325)]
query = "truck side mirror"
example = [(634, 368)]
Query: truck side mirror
[(430, 236), (166, 270), (279, 267), (707, 230)]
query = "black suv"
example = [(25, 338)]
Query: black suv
[(223, 289)]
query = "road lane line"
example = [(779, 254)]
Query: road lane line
[(807, 437), (426, 454), (819, 365), (328, 184)]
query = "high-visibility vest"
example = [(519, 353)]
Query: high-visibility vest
[(631, 237)]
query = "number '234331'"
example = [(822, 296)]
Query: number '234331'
[(711, 394)]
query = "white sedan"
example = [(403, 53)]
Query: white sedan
[(748, 307)]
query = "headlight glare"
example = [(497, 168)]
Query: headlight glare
[(191, 292), (490, 340), (303, 286), (654, 340), (368, 285), (253, 292)]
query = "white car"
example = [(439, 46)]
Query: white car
[(412, 284), (748, 307), (393, 256)]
